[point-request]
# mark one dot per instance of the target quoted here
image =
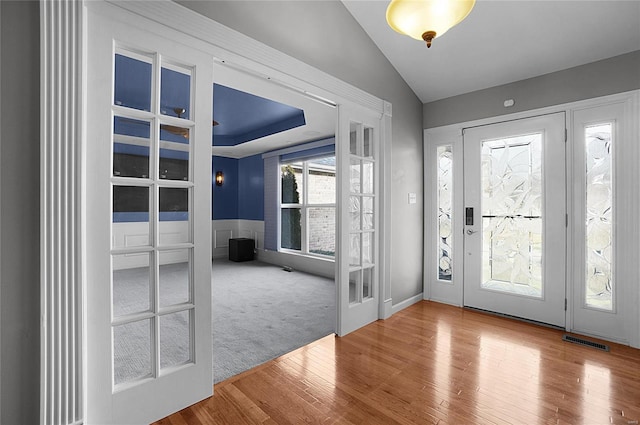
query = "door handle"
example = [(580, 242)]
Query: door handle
[(471, 232)]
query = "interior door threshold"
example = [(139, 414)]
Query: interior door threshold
[(521, 319)]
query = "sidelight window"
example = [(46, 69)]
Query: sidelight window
[(599, 215)]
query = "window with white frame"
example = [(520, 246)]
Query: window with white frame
[(308, 206)]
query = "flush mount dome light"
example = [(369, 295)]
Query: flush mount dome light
[(426, 19)]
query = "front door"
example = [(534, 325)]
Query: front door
[(147, 219), (515, 218)]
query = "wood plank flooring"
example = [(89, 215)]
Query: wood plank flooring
[(433, 364)]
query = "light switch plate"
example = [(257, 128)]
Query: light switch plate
[(412, 198)]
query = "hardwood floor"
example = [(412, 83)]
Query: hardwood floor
[(433, 364)]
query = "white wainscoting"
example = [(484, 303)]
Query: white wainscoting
[(137, 234), (223, 230)]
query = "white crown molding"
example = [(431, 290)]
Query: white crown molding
[(236, 49)]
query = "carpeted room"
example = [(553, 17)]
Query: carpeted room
[(259, 312)]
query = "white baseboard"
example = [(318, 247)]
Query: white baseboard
[(387, 309), (445, 301), (406, 303), (308, 264)]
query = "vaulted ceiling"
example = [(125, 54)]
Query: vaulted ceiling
[(501, 41), (504, 41)]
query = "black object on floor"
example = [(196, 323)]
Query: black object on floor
[(241, 249)]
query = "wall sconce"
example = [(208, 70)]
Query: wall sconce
[(219, 178)]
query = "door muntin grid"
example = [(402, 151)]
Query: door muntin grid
[(362, 213), (152, 230)]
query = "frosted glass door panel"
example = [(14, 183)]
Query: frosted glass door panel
[(511, 215)]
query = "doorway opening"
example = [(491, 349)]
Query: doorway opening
[(273, 153)]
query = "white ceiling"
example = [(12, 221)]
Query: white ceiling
[(504, 41)]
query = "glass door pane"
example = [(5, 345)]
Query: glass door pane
[(511, 215), (361, 212), (152, 185)]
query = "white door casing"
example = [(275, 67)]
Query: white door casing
[(624, 325), (166, 387), (605, 224)]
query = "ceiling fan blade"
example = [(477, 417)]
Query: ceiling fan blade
[(180, 131)]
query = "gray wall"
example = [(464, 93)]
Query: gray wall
[(325, 35), (19, 212), (609, 76)]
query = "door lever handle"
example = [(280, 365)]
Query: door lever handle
[(471, 232)]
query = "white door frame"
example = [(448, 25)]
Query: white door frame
[(450, 292), (59, 366)]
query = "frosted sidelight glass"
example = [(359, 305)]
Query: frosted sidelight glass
[(599, 213), (445, 197)]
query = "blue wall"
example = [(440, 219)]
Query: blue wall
[(242, 194), (225, 198)]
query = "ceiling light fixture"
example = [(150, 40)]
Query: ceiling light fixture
[(426, 19)]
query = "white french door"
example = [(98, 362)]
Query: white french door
[(147, 218), (515, 218), (357, 258)]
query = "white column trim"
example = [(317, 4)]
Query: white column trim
[(385, 301), (61, 24)]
